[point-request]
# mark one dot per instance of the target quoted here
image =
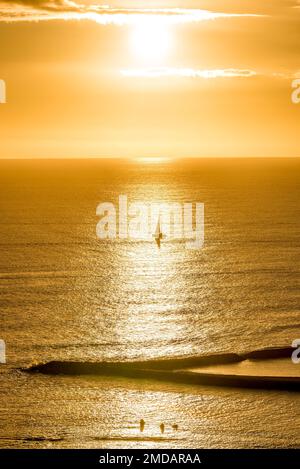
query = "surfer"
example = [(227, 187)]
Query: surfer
[(142, 425)]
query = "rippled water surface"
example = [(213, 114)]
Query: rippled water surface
[(67, 296)]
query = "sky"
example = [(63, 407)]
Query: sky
[(156, 78)]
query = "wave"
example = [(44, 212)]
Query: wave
[(189, 370)]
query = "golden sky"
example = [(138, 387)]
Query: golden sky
[(149, 78)]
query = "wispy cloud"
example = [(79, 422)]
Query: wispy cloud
[(31, 10), (50, 5), (188, 73), (205, 73)]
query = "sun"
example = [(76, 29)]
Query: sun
[(150, 41)]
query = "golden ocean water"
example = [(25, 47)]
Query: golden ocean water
[(66, 295)]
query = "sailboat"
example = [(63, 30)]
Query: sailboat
[(158, 234)]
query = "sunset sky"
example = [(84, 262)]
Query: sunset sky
[(149, 78)]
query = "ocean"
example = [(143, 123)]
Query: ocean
[(68, 296)]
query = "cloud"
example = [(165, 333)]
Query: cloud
[(188, 73), (246, 7), (51, 5), (169, 11)]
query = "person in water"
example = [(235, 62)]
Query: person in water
[(142, 425)]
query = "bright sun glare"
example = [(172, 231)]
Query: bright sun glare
[(150, 41)]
